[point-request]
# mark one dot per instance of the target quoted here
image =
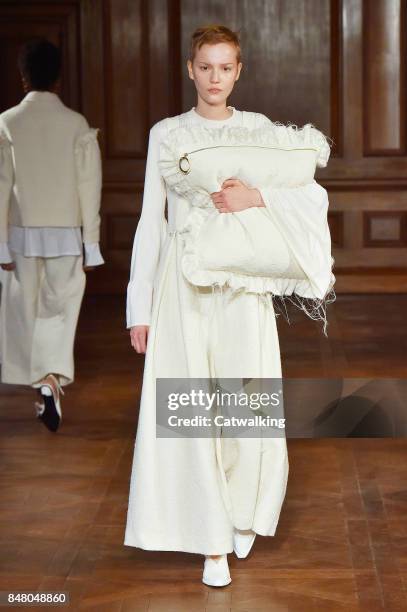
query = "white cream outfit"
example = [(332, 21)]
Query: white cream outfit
[(187, 494), (50, 191)]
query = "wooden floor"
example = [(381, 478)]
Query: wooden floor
[(341, 543)]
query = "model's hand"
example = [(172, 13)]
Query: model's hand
[(88, 268), (139, 337), (235, 196), (8, 266)]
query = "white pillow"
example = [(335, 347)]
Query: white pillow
[(283, 249), (244, 249)]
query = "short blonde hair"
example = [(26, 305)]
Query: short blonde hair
[(213, 34)]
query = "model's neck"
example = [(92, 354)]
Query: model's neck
[(40, 90), (213, 112)]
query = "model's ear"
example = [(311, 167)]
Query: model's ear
[(25, 83), (239, 68), (190, 73)]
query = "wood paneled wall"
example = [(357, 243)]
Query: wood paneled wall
[(340, 64)]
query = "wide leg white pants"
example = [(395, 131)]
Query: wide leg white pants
[(40, 306), (188, 494)]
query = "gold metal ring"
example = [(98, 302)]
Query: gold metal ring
[(181, 164)]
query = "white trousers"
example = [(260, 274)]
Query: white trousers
[(40, 306), (188, 494)]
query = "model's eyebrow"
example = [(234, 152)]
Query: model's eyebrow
[(227, 64)]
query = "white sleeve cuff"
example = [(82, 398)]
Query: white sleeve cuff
[(93, 256), (265, 193), (5, 256), (138, 303)]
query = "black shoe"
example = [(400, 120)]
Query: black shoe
[(49, 412)]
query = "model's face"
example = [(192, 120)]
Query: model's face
[(214, 71)]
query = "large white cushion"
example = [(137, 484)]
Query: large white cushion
[(246, 250)]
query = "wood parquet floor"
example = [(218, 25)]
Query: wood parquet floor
[(341, 543)]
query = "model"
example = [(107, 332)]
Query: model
[(204, 495), (50, 193)]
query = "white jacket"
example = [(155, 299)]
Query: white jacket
[(50, 167)]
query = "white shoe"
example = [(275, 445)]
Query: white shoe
[(216, 571), (39, 407), (243, 540)]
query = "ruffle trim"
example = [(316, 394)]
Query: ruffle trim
[(88, 138), (183, 139), (299, 292), (4, 140)]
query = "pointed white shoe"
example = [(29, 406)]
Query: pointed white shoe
[(216, 571), (243, 540)]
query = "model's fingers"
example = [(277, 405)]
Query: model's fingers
[(219, 200), (219, 205), (217, 196), (139, 337), (133, 338), (137, 343), (231, 182), (226, 200), (140, 341)]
